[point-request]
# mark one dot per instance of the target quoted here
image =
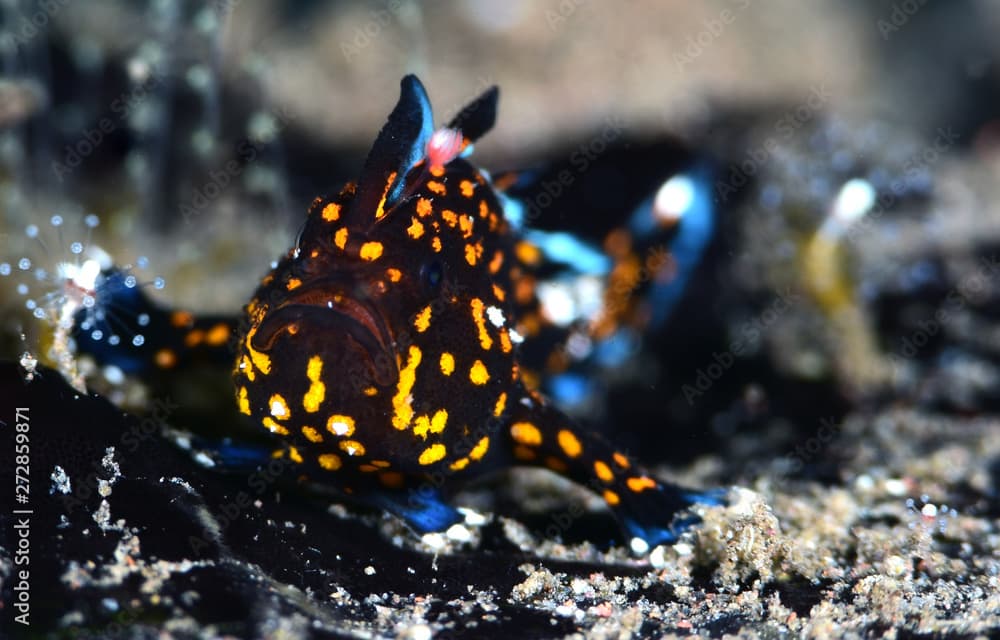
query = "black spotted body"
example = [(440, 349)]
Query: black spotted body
[(383, 349)]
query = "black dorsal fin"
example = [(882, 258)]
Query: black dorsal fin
[(478, 116)]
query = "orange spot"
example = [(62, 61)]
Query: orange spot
[(484, 209), (611, 497), (496, 262), (294, 454), (466, 187), (352, 448), (621, 460), (218, 334), (165, 358), (181, 319), (478, 309), (505, 344), (416, 229), (329, 461), (526, 433), (499, 293), (395, 275), (380, 211), (569, 443), (528, 253), (432, 454), (194, 337), (640, 483), (331, 212), (470, 254), (459, 464), (437, 187), (312, 435), (370, 391), (424, 207), (436, 244), (556, 464), (292, 284), (423, 319), (447, 363), (465, 224), (603, 471), (437, 171), (274, 427), (524, 453), (244, 401), (340, 238), (371, 251)]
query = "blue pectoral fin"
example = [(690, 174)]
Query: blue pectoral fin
[(424, 510), (659, 517)]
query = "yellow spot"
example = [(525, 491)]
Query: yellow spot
[(621, 460), (437, 187), (395, 275), (317, 390), (352, 448), (331, 212), (329, 461), (293, 283), (416, 229), (401, 401), (244, 401), (424, 207), (480, 449), (436, 244), (435, 424), (570, 444), (279, 408), (466, 187), (459, 464), (496, 263), (500, 405), (470, 254), (603, 471), (526, 433), (274, 427), (611, 497), (450, 217), (312, 435), (447, 363), (165, 358), (340, 425), (478, 308), (247, 368), (294, 454), (218, 334), (640, 483), (340, 238), (370, 391), (478, 373), (371, 251), (380, 211), (432, 454), (423, 319)]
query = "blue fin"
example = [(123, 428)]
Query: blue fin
[(654, 516), (424, 510)]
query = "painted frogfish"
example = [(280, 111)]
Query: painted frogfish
[(383, 352)]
